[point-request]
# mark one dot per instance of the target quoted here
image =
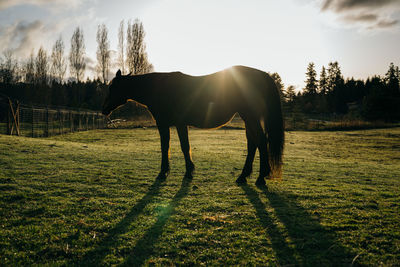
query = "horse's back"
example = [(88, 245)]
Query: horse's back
[(210, 100)]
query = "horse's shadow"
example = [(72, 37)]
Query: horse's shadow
[(143, 248), (311, 244), (96, 256)]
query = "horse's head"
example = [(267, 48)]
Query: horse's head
[(116, 95)]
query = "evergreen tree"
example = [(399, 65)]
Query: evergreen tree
[(311, 82), (335, 78), (290, 94), (392, 80), (323, 82)]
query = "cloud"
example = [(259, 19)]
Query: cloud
[(5, 4), (21, 36), (369, 14), (343, 5)]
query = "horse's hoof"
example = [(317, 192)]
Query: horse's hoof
[(260, 182), (241, 180), (162, 176), (188, 175)]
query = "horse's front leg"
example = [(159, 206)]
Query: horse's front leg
[(164, 136), (185, 146), (251, 151)]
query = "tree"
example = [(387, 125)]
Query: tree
[(121, 47), (103, 52), (311, 82), (30, 70), (323, 82), (9, 68), (58, 65), (392, 79), (279, 84), (77, 55), (41, 66), (290, 93), (136, 55), (335, 77)]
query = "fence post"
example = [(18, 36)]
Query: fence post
[(32, 124), (47, 123), (18, 117), (71, 122), (59, 121), (8, 121), (79, 119), (93, 121)]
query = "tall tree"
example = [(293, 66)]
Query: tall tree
[(103, 52), (323, 82), (58, 64), (30, 69), (136, 55), (77, 55), (335, 78), (121, 47), (392, 79), (311, 81), (290, 93), (41, 66)]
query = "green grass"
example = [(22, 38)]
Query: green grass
[(90, 198)]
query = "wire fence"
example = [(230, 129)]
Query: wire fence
[(35, 121)]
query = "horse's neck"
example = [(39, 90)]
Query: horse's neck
[(137, 92)]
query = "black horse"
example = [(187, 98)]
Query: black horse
[(210, 101)]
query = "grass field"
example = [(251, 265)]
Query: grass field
[(90, 198)]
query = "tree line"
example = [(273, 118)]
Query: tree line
[(42, 78), (376, 98)]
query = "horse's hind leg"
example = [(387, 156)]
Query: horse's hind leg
[(164, 136), (185, 146), (257, 135), (251, 151)]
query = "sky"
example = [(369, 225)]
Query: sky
[(203, 36)]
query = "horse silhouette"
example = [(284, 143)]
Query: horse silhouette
[(209, 101)]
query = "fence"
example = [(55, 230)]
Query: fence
[(34, 121)]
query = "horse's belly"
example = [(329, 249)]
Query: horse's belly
[(211, 120)]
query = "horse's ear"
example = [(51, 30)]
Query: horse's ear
[(118, 74)]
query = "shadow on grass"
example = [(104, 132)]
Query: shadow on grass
[(145, 246), (105, 246), (284, 253), (311, 243)]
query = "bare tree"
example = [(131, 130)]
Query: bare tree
[(41, 65), (58, 64), (9, 68), (103, 52), (136, 55), (121, 47), (77, 55), (30, 69)]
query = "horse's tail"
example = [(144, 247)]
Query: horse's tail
[(274, 128)]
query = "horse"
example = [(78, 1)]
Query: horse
[(209, 101)]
